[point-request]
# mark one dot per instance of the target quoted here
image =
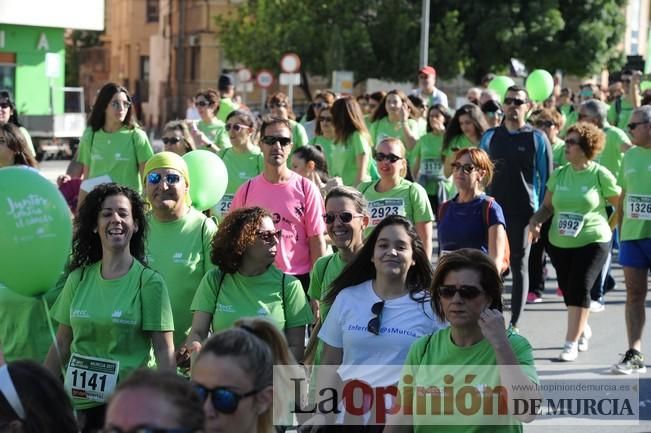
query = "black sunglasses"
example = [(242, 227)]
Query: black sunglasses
[(379, 157), (171, 140), (544, 124), (374, 324), (325, 119), (269, 236), (466, 292), (634, 125), (467, 168), (515, 101), (270, 140), (344, 217), (223, 400), (4, 105), (202, 103), (147, 429), (170, 178)]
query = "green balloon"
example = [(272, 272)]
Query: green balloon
[(35, 231), (208, 178), (540, 85), (499, 85), (645, 85)]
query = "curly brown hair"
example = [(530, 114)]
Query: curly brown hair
[(237, 232), (591, 138)]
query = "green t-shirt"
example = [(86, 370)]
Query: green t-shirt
[(611, 155), (241, 166), (635, 179), (326, 146), (116, 154), (299, 134), (428, 150), (570, 120), (24, 330), (324, 272), (216, 132), (383, 128), (180, 251), (625, 113), (426, 362), (580, 206), (112, 319), (457, 143), (252, 296), (407, 199), (226, 107), (558, 152), (344, 158)]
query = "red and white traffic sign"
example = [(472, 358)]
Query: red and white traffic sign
[(264, 78), (244, 75), (290, 63)]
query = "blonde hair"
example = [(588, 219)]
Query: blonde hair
[(403, 150)]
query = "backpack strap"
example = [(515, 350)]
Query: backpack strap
[(618, 110), (246, 191), (219, 286), (485, 210), (282, 295)]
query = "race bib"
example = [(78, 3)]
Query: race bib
[(224, 205), (638, 207), (381, 209), (431, 167), (91, 378), (570, 224)]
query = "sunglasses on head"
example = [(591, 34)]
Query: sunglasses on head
[(269, 236), (467, 168), (202, 103), (270, 140), (514, 101), (466, 292), (171, 140), (223, 400), (379, 157), (4, 105), (119, 104), (344, 217), (146, 429), (235, 127), (374, 324), (170, 178)]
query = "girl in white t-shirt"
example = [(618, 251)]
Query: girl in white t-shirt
[(379, 308)]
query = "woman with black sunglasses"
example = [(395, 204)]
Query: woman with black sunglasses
[(463, 131), (177, 138), (245, 283), (474, 351), (482, 218), (392, 194), (279, 108), (243, 161), (9, 115), (209, 132), (379, 301), (178, 245), (235, 378)]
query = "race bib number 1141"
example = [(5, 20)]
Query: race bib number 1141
[(91, 378)]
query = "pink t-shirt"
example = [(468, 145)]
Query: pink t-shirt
[(297, 209)]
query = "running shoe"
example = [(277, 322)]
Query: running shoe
[(559, 292), (632, 362), (533, 298), (569, 353), (583, 339), (597, 307)]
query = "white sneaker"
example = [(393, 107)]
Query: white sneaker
[(597, 307), (570, 352), (583, 339)]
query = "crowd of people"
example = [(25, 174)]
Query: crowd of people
[(320, 252)]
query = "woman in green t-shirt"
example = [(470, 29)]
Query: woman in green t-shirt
[(278, 105), (177, 138), (324, 133), (351, 152), (112, 309), (310, 162), (580, 233), (392, 119), (245, 283), (428, 157), (209, 133), (464, 130)]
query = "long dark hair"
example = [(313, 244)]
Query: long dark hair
[(361, 268), (445, 112), (86, 243), (382, 112), (14, 115), (15, 141), (310, 153), (453, 129), (347, 118), (97, 117)]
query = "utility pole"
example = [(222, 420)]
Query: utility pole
[(424, 33)]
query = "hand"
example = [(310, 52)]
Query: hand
[(404, 114), (636, 77), (63, 179), (184, 353), (534, 231), (491, 324)]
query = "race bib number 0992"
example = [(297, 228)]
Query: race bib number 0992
[(570, 224)]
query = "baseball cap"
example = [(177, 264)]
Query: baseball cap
[(491, 106), (427, 70)]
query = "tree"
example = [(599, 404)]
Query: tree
[(380, 38), (78, 39)]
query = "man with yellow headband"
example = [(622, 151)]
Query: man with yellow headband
[(179, 237)]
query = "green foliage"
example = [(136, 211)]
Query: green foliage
[(380, 38), (79, 39)]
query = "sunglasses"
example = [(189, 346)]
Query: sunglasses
[(147, 429), (325, 119), (344, 217), (466, 292), (170, 178), (544, 124), (515, 101), (634, 125), (4, 105), (202, 103), (379, 157), (171, 140), (235, 127), (223, 400), (269, 236), (119, 104), (572, 141), (320, 105), (467, 168), (278, 105), (270, 140), (374, 324)]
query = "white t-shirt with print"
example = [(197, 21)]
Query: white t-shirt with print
[(376, 359)]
